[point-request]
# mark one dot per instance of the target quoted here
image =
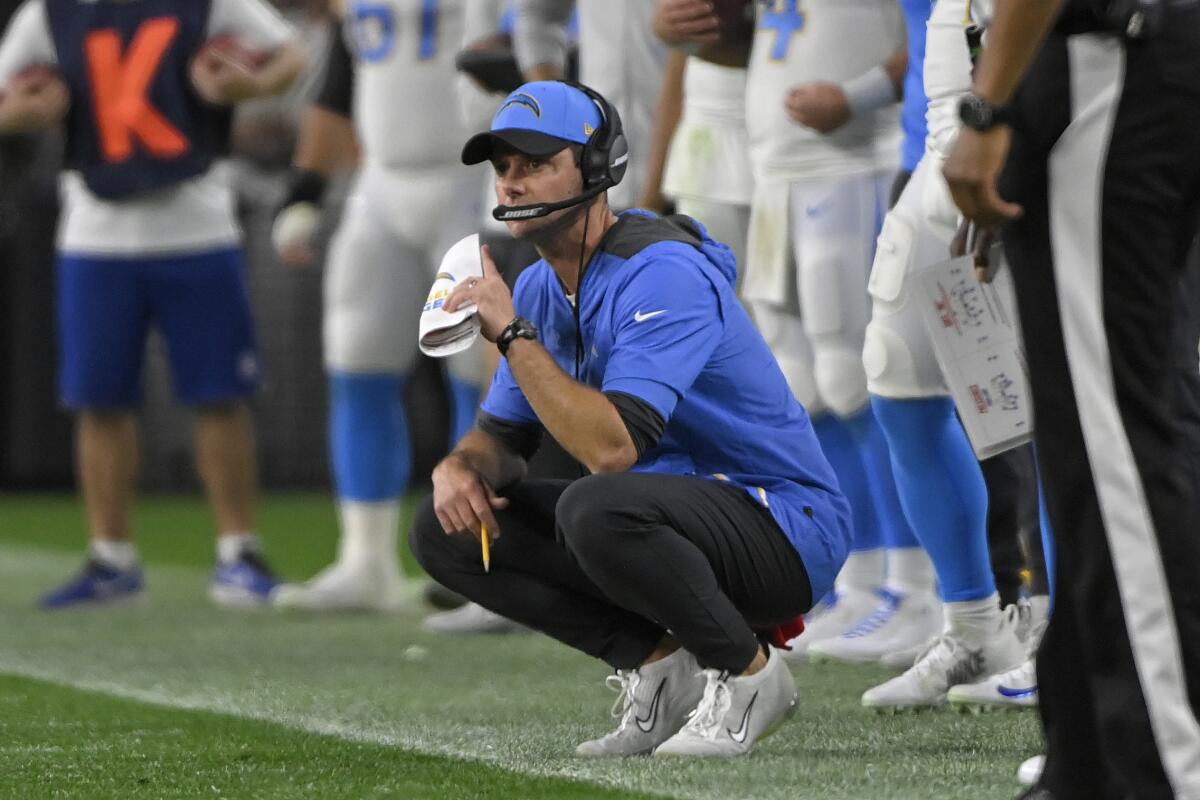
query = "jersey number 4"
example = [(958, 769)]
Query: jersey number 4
[(120, 84), (785, 18), (375, 30)]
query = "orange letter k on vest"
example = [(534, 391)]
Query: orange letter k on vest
[(120, 83)]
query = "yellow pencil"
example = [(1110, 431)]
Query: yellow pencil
[(486, 543)]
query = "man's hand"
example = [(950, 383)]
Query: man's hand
[(683, 22), (34, 100), (971, 171), (463, 500), (819, 105), (978, 242), (489, 295), (222, 80)]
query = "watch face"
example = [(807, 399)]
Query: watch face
[(976, 112)]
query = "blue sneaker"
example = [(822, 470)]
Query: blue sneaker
[(97, 583), (244, 583)]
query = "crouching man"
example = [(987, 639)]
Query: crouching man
[(711, 516)]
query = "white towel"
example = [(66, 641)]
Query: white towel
[(444, 334), (767, 256)]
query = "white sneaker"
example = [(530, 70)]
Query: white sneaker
[(471, 618), (735, 712), (1030, 771), (345, 587), (949, 661), (652, 705), (898, 623), (836, 614), (907, 656)]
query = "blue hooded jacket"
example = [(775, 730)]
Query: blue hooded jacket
[(661, 322)]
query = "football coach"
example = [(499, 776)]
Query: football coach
[(1100, 151), (710, 516)]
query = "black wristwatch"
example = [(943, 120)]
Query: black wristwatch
[(519, 328), (977, 113)]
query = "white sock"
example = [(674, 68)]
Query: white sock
[(1039, 607), (862, 572), (119, 555), (232, 544), (909, 571), (369, 532), (974, 620)]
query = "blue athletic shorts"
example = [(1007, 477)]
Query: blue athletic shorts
[(198, 302)]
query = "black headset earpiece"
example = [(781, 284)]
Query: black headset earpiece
[(606, 154)]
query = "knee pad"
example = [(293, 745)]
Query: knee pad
[(841, 381), (895, 369), (893, 257)]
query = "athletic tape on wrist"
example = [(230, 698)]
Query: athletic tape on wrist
[(869, 91)]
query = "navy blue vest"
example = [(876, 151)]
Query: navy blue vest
[(136, 123)]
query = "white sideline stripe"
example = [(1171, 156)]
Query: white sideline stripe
[(1097, 67), (233, 706)]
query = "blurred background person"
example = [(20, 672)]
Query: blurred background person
[(148, 236), (411, 201)]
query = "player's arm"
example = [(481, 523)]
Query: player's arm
[(666, 119), (540, 38), (695, 27), (32, 97), (465, 483), (326, 144), (826, 106)]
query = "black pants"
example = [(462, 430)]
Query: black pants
[(1106, 162), (1014, 530), (608, 563)]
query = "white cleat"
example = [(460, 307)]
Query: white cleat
[(345, 588), (948, 662), (469, 619), (653, 703), (1030, 771), (1015, 688), (840, 611), (899, 623), (735, 712)]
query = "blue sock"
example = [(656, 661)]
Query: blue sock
[(464, 403), (368, 436), (894, 529), (844, 457), (942, 491)]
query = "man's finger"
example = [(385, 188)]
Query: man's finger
[(483, 512), (489, 265), (463, 294)]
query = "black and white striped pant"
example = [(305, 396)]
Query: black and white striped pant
[(1106, 161)]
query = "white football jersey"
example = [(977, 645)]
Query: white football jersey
[(797, 41), (406, 108)]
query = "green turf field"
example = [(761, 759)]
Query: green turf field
[(172, 698)]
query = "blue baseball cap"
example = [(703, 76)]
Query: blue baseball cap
[(538, 119)]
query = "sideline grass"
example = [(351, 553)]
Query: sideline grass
[(515, 704)]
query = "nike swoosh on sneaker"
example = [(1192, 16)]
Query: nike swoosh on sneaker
[(1007, 691), (739, 735), (646, 725), (638, 316)]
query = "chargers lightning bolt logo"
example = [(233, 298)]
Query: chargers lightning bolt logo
[(523, 99)]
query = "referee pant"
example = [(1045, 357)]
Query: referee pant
[(609, 563), (1106, 161)]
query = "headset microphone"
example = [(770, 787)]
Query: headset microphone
[(536, 210)]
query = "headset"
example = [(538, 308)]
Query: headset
[(603, 162)]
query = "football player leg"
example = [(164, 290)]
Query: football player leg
[(834, 224), (854, 594), (726, 222), (369, 352), (101, 333), (937, 474), (201, 305)]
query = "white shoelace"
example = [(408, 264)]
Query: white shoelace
[(705, 720), (625, 683)]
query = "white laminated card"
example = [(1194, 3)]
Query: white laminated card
[(977, 341)]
